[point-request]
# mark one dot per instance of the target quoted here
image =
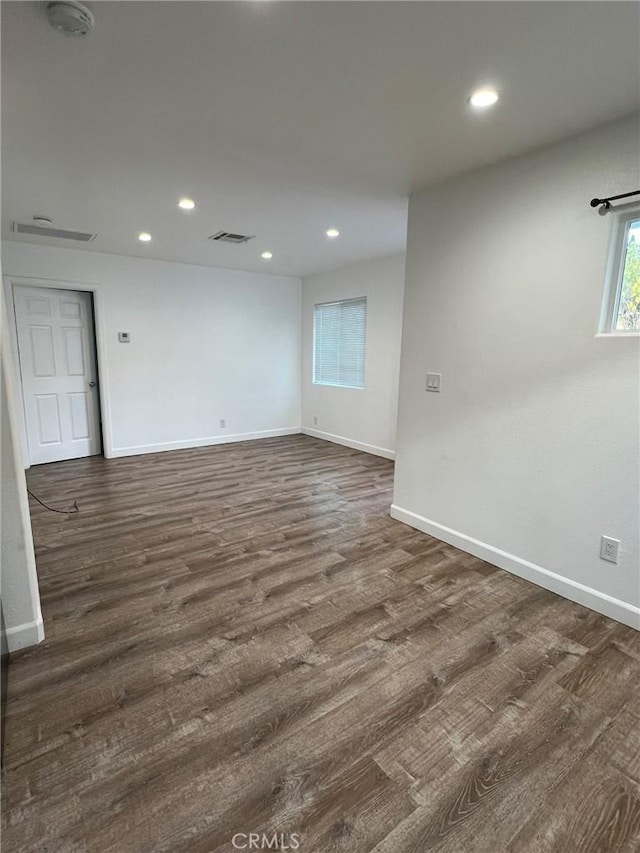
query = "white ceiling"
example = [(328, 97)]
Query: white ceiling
[(284, 119)]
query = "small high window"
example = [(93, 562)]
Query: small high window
[(622, 303), (339, 331)]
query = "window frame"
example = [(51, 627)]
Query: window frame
[(622, 219), (347, 301)]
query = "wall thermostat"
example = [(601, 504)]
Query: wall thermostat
[(124, 337)]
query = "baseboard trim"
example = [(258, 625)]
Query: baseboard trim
[(139, 449), (349, 442), (614, 608), (27, 634)]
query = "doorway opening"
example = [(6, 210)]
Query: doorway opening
[(57, 357)]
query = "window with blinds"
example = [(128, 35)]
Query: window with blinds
[(339, 330)]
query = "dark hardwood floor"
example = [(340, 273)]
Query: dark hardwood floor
[(239, 639)]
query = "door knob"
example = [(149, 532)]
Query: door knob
[(92, 384)]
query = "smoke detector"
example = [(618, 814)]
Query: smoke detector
[(70, 17)]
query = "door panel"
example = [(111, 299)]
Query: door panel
[(42, 351), (79, 406), (74, 347), (58, 366), (70, 309), (48, 408), (38, 306)]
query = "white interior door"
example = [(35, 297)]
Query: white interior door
[(59, 373)]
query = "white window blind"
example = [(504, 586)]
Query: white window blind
[(339, 330)]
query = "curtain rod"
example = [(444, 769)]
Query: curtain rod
[(605, 203)]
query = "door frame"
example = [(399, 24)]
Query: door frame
[(95, 290)]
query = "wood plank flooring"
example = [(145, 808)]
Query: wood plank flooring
[(240, 640)]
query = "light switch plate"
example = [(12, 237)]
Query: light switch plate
[(433, 381), (124, 337)]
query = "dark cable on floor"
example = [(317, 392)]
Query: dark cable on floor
[(52, 509)]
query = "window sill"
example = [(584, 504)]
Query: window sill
[(335, 385), (618, 335)]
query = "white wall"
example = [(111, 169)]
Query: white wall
[(18, 579), (206, 344), (531, 450), (365, 419)]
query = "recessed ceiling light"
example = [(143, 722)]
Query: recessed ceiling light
[(266, 255), (186, 203), (483, 98), (144, 237), (333, 233)]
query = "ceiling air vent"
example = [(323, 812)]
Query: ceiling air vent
[(49, 231), (229, 237)]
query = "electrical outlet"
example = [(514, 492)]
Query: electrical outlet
[(609, 549), (223, 423), (315, 420)]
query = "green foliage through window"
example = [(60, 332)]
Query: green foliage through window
[(629, 304)]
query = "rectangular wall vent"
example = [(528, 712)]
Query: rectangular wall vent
[(229, 237), (48, 231)]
